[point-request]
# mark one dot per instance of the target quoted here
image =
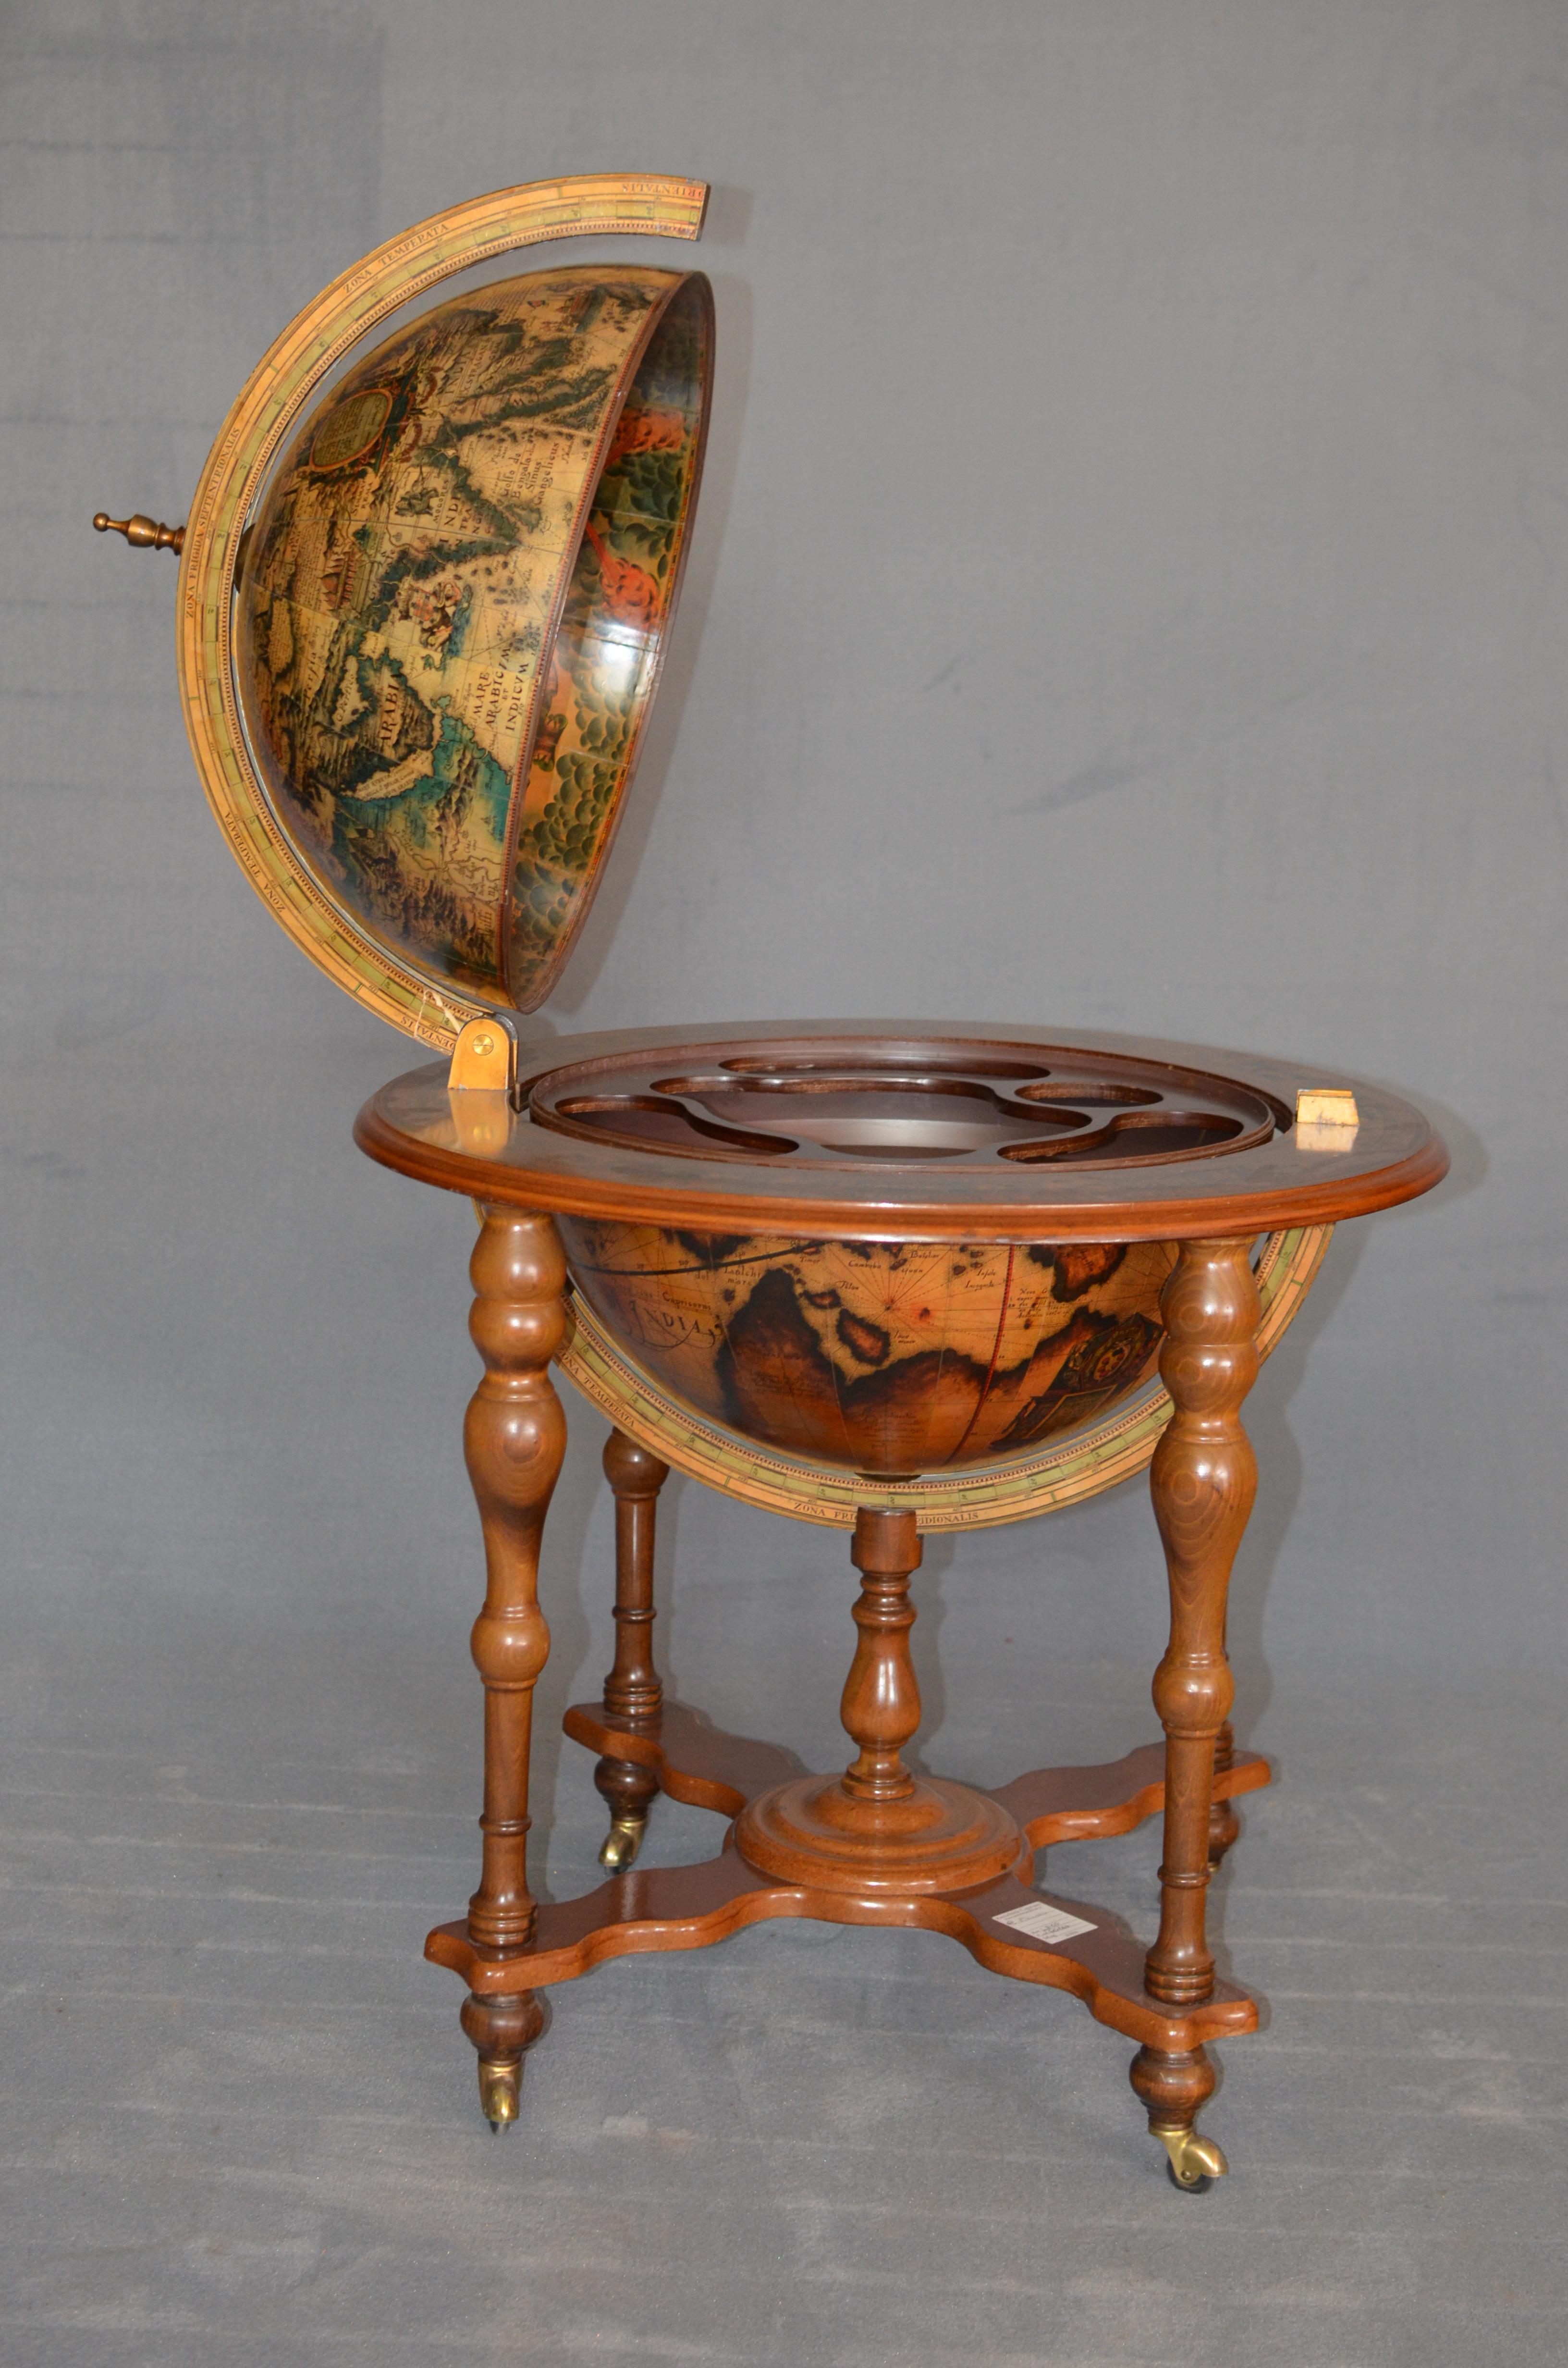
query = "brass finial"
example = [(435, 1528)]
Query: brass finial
[(143, 533)]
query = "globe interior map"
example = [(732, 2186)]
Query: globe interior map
[(443, 734)]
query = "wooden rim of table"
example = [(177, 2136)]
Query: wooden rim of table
[(479, 1143), (358, 300), (1061, 1474)]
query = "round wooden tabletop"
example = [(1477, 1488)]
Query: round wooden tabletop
[(640, 1125)]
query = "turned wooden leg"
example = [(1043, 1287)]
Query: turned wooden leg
[(1225, 1825), (633, 1692), (1203, 1479), (514, 1440)]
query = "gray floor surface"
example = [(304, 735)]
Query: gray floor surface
[(242, 2124)]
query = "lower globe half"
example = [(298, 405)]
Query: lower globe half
[(891, 1358)]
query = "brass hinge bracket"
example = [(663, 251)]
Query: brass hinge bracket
[(484, 1058)]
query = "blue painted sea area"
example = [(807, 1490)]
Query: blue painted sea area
[(406, 817), (461, 623)]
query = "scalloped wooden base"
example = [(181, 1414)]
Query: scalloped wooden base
[(657, 1909)]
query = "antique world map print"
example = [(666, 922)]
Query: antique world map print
[(444, 717)]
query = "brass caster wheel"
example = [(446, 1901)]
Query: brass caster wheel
[(1195, 2163), (498, 2094), (622, 1842)]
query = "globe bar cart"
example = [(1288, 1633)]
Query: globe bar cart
[(579, 1150), (887, 1277)]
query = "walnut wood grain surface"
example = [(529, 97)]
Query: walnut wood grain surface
[(1202, 1481), (878, 1830), (479, 1145), (698, 1763), (656, 1908), (514, 1440), (633, 1690), (1075, 1805), (694, 1760)]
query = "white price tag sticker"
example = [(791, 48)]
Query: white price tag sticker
[(1043, 1922)]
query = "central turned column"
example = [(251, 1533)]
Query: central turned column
[(879, 1830), (880, 1706)]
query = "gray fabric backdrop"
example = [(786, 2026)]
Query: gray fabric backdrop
[(1129, 591)]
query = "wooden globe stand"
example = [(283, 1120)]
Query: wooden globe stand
[(307, 548), (878, 1844)]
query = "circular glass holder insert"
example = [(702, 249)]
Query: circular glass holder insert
[(894, 1104)]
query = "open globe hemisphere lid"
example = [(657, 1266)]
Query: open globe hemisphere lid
[(423, 616)]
